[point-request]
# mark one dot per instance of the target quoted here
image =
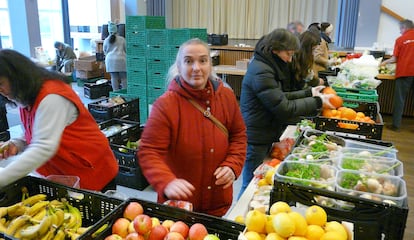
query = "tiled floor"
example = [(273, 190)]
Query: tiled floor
[(122, 192)]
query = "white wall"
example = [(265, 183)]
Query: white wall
[(388, 26)]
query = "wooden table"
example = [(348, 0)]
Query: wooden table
[(229, 70)]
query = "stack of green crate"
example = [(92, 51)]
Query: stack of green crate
[(151, 50), (136, 34)]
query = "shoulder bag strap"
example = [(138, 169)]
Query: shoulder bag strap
[(208, 115)]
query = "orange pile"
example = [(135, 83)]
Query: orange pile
[(342, 112)]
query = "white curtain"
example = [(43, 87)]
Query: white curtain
[(249, 19)]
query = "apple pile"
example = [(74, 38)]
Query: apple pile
[(136, 225)]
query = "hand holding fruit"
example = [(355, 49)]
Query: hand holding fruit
[(316, 91), (326, 100), (179, 189), (224, 176), (8, 149)]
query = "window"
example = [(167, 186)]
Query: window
[(50, 21), (5, 33)]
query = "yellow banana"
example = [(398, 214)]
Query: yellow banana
[(16, 224), (72, 235), (17, 232), (40, 215), (60, 235), (35, 208), (70, 220), (57, 204), (82, 230), (101, 229), (4, 211), (49, 235), (34, 199), (58, 218), (37, 230), (76, 218), (3, 226)]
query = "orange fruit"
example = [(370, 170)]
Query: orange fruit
[(328, 90), (336, 101), (348, 113), (327, 113)]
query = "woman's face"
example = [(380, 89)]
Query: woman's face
[(5, 89), (194, 65), (285, 55)]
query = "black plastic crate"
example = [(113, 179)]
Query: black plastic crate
[(351, 128), (372, 220), (130, 174), (224, 229), (92, 206), (93, 90), (101, 112), (370, 109), (116, 130)]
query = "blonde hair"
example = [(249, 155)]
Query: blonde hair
[(173, 70)]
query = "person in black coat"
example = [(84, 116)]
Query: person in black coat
[(270, 97)]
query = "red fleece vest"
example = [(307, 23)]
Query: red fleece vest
[(83, 151)]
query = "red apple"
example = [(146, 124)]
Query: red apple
[(155, 221), (197, 232), (211, 237), (142, 224), (113, 237), (131, 228), (167, 224), (120, 227), (132, 210), (180, 227), (174, 236), (157, 233), (134, 236)]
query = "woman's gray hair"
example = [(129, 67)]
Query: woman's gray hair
[(173, 70)]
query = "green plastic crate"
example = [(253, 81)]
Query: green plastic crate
[(158, 65), (137, 77), (136, 50), (172, 52), (136, 37), (144, 22), (135, 63), (157, 52), (177, 36), (153, 92), (355, 90), (156, 36), (137, 90), (157, 79), (200, 33)]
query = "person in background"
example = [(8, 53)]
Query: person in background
[(184, 154), (64, 57), (270, 97), (326, 31), (295, 27), (321, 60), (60, 135), (114, 48), (403, 56), (303, 61)]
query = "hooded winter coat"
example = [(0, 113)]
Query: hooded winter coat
[(179, 142), (270, 96)]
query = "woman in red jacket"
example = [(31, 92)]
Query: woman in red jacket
[(60, 135), (184, 154)]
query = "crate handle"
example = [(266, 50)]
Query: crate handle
[(3, 196)]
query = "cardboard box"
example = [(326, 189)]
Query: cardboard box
[(242, 64), (88, 63), (82, 74)]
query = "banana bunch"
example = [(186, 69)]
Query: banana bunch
[(35, 217)]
